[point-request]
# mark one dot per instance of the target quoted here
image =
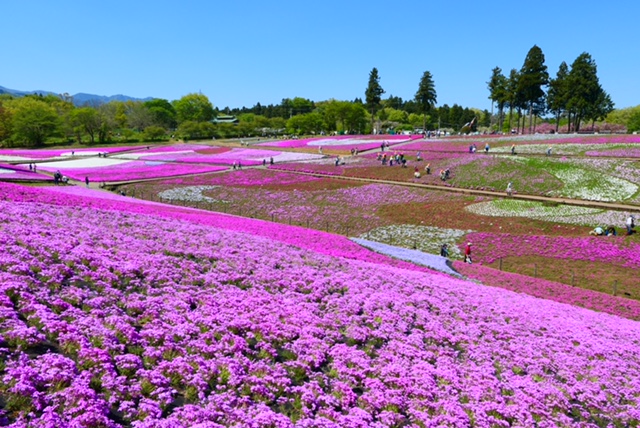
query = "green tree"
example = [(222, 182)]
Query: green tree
[(301, 105), (310, 123), (558, 93), (373, 93), (154, 132), (355, 119), (393, 102), (426, 96), (398, 116), (277, 123), (633, 120), (602, 107), (194, 108), (532, 77), (456, 117), (5, 123), (162, 113), (110, 116), (498, 93), (585, 89), (513, 97), (139, 117), (33, 121), (85, 120)]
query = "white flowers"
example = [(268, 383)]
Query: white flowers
[(536, 210), (189, 194), (424, 238)]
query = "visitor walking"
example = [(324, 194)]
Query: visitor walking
[(509, 189), (86, 181), (467, 253), (444, 250), (630, 224)]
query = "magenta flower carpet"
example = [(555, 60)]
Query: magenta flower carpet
[(115, 313)]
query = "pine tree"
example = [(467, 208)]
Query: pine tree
[(426, 96), (373, 94)]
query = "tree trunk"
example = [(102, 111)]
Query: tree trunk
[(491, 117)]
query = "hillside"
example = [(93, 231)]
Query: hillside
[(118, 313), (79, 99)]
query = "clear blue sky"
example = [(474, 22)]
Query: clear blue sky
[(239, 53)]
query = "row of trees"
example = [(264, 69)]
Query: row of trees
[(374, 114), (34, 119), (574, 95)]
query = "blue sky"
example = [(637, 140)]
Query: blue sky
[(239, 53)]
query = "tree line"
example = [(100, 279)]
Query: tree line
[(574, 96)]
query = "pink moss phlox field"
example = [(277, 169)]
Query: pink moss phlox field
[(622, 153), (174, 148), (551, 290), (114, 318), (489, 247), (224, 159), (248, 177), (609, 139), (134, 170), (310, 168), (36, 154), (20, 173), (321, 242), (440, 146), (362, 142)]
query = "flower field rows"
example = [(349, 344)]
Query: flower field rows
[(147, 320), (24, 154), (129, 170), (588, 248), (20, 173), (559, 214), (217, 155)]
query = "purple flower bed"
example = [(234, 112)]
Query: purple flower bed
[(246, 157), (551, 290), (321, 242), (122, 318), (310, 168), (362, 142), (249, 177), (442, 146), (20, 173), (490, 247), (134, 170), (225, 159), (597, 139), (623, 153), (174, 148), (36, 154)]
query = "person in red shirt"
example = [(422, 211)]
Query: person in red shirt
[(467, 253)]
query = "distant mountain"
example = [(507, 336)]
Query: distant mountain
[(79, 99)]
